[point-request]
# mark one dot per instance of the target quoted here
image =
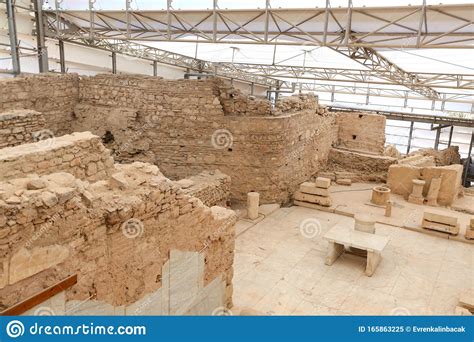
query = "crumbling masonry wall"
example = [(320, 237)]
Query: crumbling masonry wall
[(81, 154), (182, 127), (117, 235), (21, 127), (361, 131), (54, 95)]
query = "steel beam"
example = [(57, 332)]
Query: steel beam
[(15, 53), (413, 27), (40, 36)]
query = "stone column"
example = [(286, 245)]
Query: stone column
[(416, 195), (388, 209), (432, 196), (253, 199), (380, 195), (364, 223)]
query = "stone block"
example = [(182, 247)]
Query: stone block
[(454, 230), (322, 182), (25, 263), (310, 188), (315, 199), (344, 181), (3, 273), (440, 217)]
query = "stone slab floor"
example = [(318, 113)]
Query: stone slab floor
[(279, 270)]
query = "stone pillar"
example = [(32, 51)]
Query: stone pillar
[(364, 223), (432, 196), (380, 195), (388, 209), (253, 199), (416, 195)]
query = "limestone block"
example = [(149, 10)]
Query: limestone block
[(440, 217), (118, 181), (149, 305), (440, 227), (324, 201), (400, 177), (253, 199), (49, 199), (432, 196), (388, 209), (344, 181), (471, 223), (469, 234), (310, 188), (324, 183), (450, 181), (89, 308), (36, 184), (25, 263)]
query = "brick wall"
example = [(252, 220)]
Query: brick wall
[(20, 127), (361, 131), (81, 154), (116, 235), (211, 187), (54, 95), (181, 127)]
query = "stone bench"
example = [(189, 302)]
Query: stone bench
[(340, 236)]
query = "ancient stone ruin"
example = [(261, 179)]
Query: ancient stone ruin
[(128, 192)]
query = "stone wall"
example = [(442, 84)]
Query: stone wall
[(359, 166), (181, 126), (54, 95), (211, 187), (129, 237), (21, 127), (81, 154), (400, 179), (361, 131)]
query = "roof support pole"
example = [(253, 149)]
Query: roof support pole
[(40, 37), (214, 21), (128, 4), (438, 134), (267, 20), (168, 16), (91, 19), (326, 21), (410, 135), (15, 53), (420, 25), (347, 34), (450, 135), (62, 60), (155, 68), (114, 62)]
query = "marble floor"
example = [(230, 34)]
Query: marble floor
[(279, 270)]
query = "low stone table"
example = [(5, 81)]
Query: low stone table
[(340, 236)]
